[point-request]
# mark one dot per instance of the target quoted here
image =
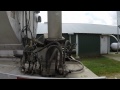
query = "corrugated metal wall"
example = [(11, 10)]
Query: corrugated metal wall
[(66, 36), (73, 39), (89, 44)]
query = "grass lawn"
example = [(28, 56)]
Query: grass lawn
[(102, 65)]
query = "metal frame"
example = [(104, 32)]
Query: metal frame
[(13, 76)]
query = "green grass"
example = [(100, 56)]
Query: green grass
[(102, 65)]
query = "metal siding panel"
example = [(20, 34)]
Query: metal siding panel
[(103, 44), (89, 45), (73, 39), (66, 36)]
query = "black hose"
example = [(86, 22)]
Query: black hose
[(26, 28), (47, 52), (40, 37), (38, 50), (23, 30), (70, 71), (64, 53)]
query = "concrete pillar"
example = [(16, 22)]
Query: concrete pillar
[(54, 25)]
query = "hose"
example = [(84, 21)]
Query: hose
[(48, 65), (40, 37), (38, 50), (23, 30), (70, 71), (26, 28), (64, 53)]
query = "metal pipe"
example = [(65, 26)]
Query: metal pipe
[(54, 25), (114, 37), (70, 38), (77, 46), (26, 22), (14, 76), (23, 20), (118, 23)]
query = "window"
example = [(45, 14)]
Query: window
[(13, 14)]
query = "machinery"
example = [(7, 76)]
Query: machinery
[(24, 56), (50, 54)]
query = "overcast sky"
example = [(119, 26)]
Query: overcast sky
[(93, 17)]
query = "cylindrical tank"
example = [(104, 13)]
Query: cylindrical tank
[(114, 46), (54, 25)]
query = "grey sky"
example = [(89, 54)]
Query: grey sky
[(93, 17)]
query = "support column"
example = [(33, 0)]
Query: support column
[(118, 26), (70, 38), (77, 47), (108, 40), (54, 25)]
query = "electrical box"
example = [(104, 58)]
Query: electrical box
[(39, 19)]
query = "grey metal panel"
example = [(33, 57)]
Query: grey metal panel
[(118, 17), (15, 24), (80, 28), (7, 35)]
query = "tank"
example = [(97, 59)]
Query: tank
[(114, 46), (11, 25)]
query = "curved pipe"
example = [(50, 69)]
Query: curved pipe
[(38, 50), (66, 43), (51, 59), (114, 37)]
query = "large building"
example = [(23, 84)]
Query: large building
[(91, 39)]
